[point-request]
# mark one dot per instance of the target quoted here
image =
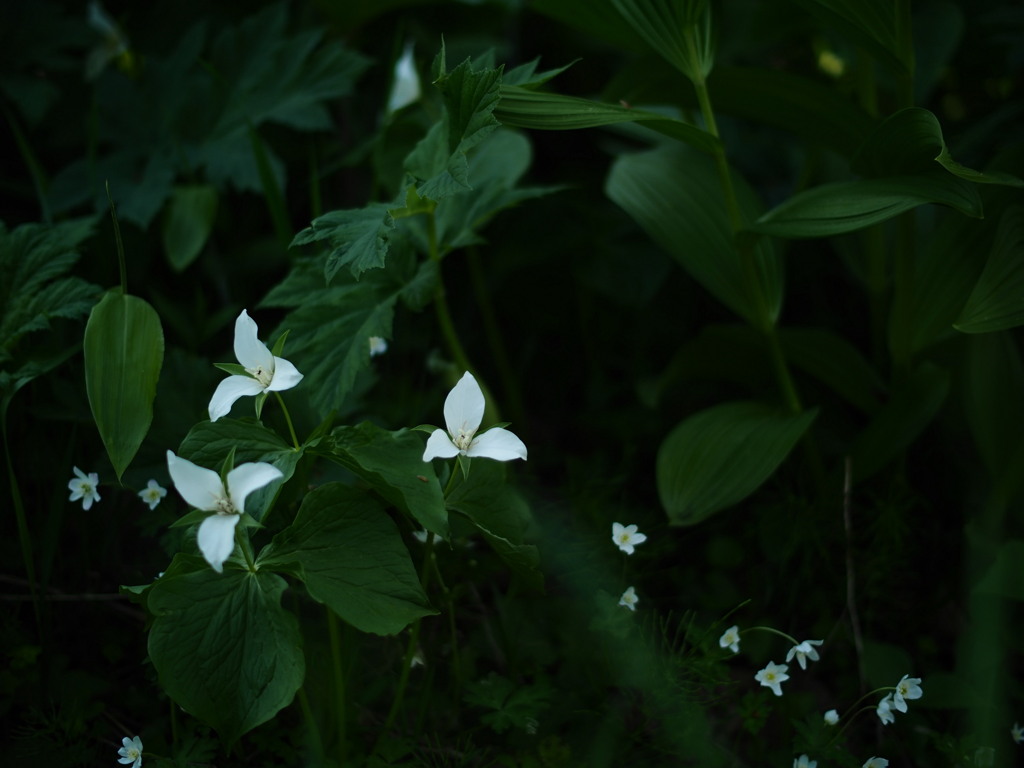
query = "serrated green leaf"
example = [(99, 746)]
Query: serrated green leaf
[(470, 98), (716, 458), (188, 223), (359, 238), (833, 209), (392, 464), (209, 443), (911, 407), (523, 108), (124, 350), (351, 557), (997, 300), (224, 648), (674, 193)]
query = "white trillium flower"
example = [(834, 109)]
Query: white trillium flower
[(831, 717), (884, 710), (773, 676), (405, 88), (730, 639), (153, 493), (203, 489), (804, 651), (907, 688), (266, 372), (629, 599), (1017, 734), (130, 752), (463, 412), (804, 762), (876, 762), (83, 486), (626, 537)]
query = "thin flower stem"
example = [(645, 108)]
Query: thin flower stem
[(288, 419), (847, 718), (246, 546), (773, 631), (410, 651), (120, 244), (339, 684)]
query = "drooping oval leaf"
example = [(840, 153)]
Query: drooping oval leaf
[(188, 223), (675, 194), (224, 648), (719, 456), (997, 300), (351, 557), (124, 350)]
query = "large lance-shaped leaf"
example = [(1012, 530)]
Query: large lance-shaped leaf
[(392, 463), (721, 455), (674, 193), (223, 646), (540, 110), (188, 223), (351, 556), (124, 349), (997, 301), (833, 209)]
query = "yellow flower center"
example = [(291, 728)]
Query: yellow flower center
[(263, 375)]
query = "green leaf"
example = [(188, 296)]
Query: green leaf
[(719, 456), (911, 407), (524, 108), (527, 76), (209, 443), (867, 23), (124, 350), (392, 464), (358, 237), (674, 193), (223, 647), (840, 207), (1005, 577), (835, 362), (188, 223), (997, 300), (674, 30), (501, 516), (470, 98), (910, 142), (351, 558)]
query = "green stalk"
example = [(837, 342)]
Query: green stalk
[(287, 418), (312, 729), (339, 685), (24, 537), (120, 244), (246, 546), (34, 168)]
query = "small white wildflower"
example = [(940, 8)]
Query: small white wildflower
[(629, 599), (884, 710), (131, 752), (803, 651), (804, 762), (152, 493), (626, 537), (84, 487), (773, 676), (876, 762), (378, 345), (906, 688), (1017, 733), (730, 639), (831, 717)]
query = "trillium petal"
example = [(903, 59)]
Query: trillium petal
[(286, 375), (216, 539), (464, 407), (229, 390), (250, 351), (439, 446), (498, 443), (246, 478), (198, 486)]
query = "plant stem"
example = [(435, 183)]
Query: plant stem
[(24, 537), (288, 418), (120, 244), (316, 742), (339, 684), (246, 546)]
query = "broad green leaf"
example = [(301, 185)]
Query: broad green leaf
[(392, 464), (188, 223), (501, 515), (910, 142), (359, 238), (540, 110), (469, 98), (678, 30), (911, 407), (527, 76), (840, 207), (351, 557), (208, 444), (997, 300), (834, 361), (718, 457), (124, 350), (222, 645), (674, 193), (867, 23)]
